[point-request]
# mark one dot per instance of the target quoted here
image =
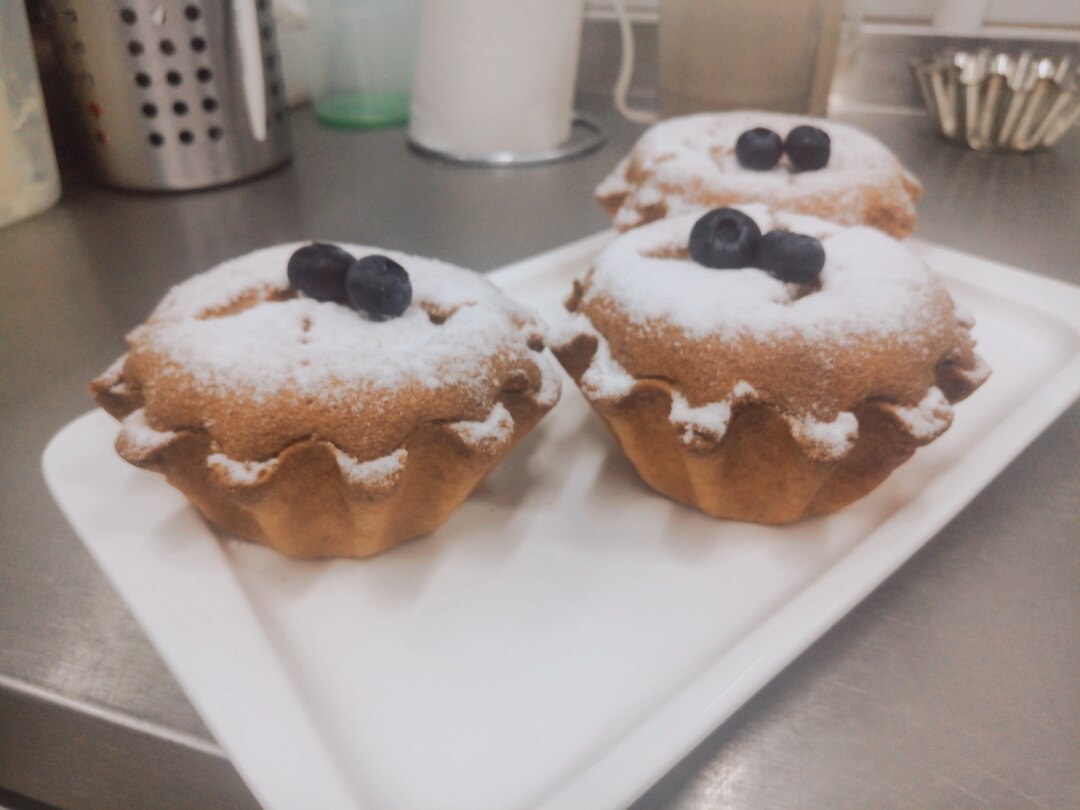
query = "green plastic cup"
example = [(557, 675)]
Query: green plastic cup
[(368, 53), (364, 110)]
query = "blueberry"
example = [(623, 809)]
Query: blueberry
[(758, 149), (788, 256), (318, 271), (807, 148), (724, 239), (379, 287)]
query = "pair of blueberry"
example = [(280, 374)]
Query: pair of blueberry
[(375, 285), (808, 148), (727, 239)]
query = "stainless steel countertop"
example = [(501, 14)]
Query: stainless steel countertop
[(955, 684)]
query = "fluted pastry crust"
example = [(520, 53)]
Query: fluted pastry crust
[(751, 399), (304, 426)]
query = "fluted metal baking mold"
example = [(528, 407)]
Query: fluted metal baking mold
[(994, 101)]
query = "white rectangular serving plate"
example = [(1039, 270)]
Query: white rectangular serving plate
[(569, 635)]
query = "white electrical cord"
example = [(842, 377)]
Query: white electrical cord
[(626, 71)]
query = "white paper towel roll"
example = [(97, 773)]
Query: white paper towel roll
[(495, 76)]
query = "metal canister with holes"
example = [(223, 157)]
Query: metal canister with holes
[(175, 94)]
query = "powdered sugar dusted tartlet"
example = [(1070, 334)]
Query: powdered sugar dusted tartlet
[(306, 425), (751, 398), (690, 163)]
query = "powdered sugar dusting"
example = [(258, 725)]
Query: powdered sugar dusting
[(682, 161), (964, 316), (550, 383), (496, 429), (978, 375), (743, 390), (628, 217), (873, 291), (240, 473), (605, 378), (872, 329), (309, 347), (711, 419), (565, 326), (927, 420), (871, 284), (139, 438), (649, 196), (615, 183), (112, 374), (112, 378), (379, 471), (832, 439)]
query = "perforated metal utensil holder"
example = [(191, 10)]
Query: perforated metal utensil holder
[(175, 94)]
